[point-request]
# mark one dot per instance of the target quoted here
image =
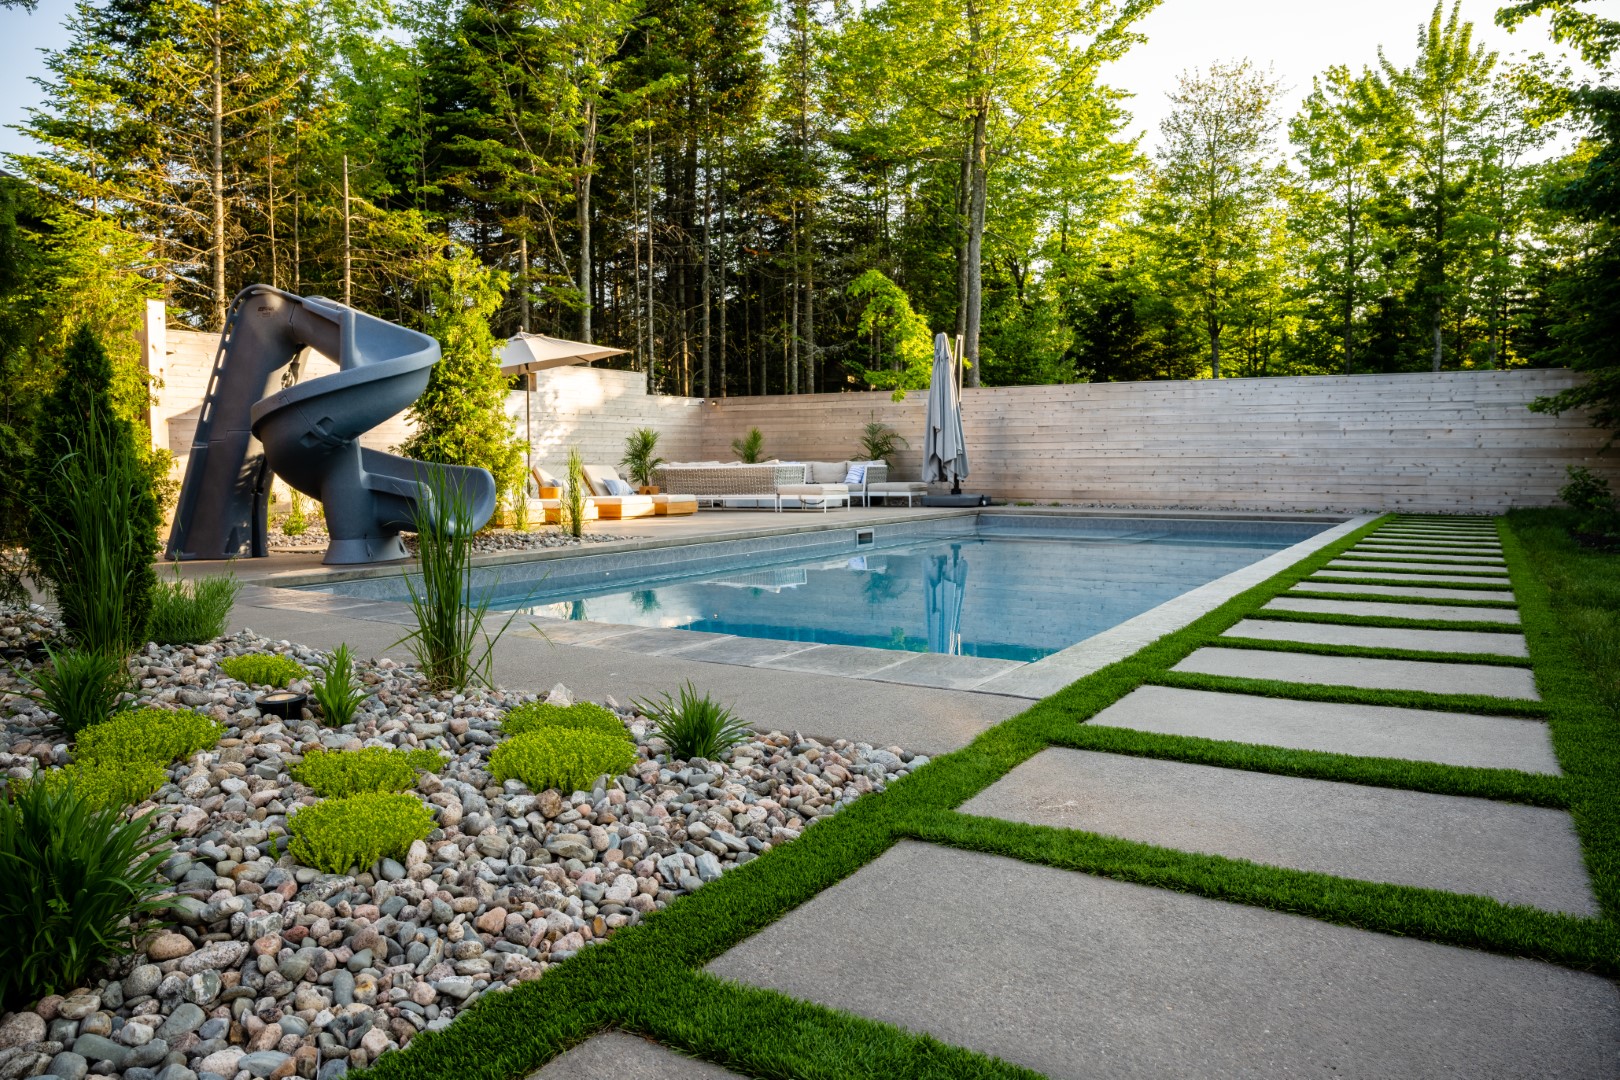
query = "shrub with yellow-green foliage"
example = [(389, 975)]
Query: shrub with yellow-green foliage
[(105, 785), (561, 758), (357, 830), (335, 773), (580, 716), (263, 670), (158, 736)]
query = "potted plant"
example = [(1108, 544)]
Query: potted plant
[(879, 441), (750, 449), (640, 447)]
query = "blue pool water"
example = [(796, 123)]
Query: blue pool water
[(1006, 598), (1002, 586)]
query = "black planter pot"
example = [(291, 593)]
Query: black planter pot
[(282, 703)]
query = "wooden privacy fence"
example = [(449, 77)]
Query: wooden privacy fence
[(1443, 442)]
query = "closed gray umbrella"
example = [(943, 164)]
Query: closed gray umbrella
[(944, 450)]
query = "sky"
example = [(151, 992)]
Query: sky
[(1296, 38)]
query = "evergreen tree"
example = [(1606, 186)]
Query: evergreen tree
[(80, 439), (461, 417)]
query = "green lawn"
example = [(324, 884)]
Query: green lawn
[(649, 978)]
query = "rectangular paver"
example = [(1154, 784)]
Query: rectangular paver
[(1482, 742), (1434, 678), (1382, 637), (1434, 612), (1083, 977), (1414, 591), (945, 672), (1370, 566), (616, 1055), (1515, 854), (1485, 560), (1331, 573)]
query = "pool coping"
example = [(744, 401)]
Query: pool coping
[(1007, 678)]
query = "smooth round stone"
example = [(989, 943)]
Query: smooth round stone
[(68, 1066), (20, 1028)]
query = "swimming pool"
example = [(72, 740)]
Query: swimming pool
[(1000, 586)]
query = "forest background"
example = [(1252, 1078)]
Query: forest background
[(788, 196)]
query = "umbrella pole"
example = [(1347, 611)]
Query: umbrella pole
[(956, 481)]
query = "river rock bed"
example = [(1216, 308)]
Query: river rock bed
[(493, 540), (274, 969)]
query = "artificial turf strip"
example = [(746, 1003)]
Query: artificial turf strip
[(1389, 621), (1381, 598), (1561, 587), (646, 976), (1349, 695), (1403, 910), (1371, 652), (1462, 586), (1503, 785)]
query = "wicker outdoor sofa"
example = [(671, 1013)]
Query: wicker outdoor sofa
[(716, 481)]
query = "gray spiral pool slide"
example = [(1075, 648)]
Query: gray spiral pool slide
[(256, 422)]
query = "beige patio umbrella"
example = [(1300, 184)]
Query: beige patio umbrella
[(526, 353)]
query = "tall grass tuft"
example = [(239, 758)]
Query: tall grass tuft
[(879, 441), (80, 884), (449, 641), (694, 726), (82, 687), (189, 613), (573, 496), (295, 523), (338, 691), (95, 537)]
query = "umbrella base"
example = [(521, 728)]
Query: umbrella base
[(956, 500)]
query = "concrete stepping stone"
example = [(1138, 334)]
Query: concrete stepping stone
[(1434, 678), (1406, 549), (1512, 853), (1078, 976), (618, 1055), (1416, 592), (1436, 537), (1460, 579), (1369, 566), (1481, 742), (1382, 637), (1426, 558), (1429, 612)]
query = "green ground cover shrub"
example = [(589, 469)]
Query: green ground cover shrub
[(580, 716), (336, 773), (78, 884), (568, 760), (694, 726), (357, 830), (155, 735), (338, 691), (108, 784), (263, 670), (188, 613), (82, 687)]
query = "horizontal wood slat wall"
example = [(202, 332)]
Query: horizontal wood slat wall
[(1452, 441), (1424, 441)]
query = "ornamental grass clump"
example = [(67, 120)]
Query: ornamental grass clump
[(571, 508), (694, 726), (560, 758), (152, 735), (339, 691), (580, 716), (337, 773), (82, 687), (79, 884), (188, 613), (449, 641), (263, 670), (356, 831)]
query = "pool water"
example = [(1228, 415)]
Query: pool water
[(1004, 597)]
